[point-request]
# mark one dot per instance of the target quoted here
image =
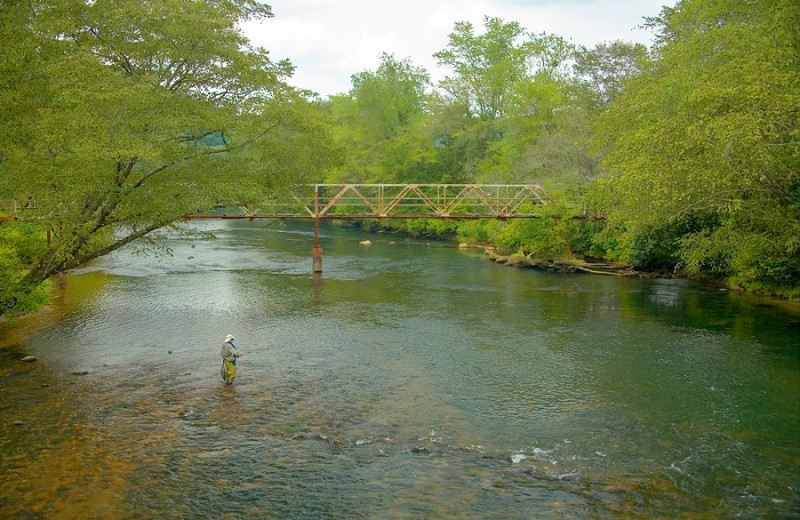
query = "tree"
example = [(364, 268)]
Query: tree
[(471, 108), (544, 137), (708, 134), (606, 68), (550, 55), (389, 98), (381, 122), (121, 117), (486, 67)]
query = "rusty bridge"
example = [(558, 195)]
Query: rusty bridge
[(395, 201), (368, 201)]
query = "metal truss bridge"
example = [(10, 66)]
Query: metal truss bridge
[(398, 201)]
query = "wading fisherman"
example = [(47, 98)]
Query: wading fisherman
[(229, 355)]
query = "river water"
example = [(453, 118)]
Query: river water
[(409, 380)]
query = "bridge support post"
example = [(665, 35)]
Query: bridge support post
[(316, 252)]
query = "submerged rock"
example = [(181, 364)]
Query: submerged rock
[(29, 359), (80, 372), (313, 436)]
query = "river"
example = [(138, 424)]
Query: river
[(410, 380)]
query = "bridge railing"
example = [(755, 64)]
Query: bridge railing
[(12, 209)]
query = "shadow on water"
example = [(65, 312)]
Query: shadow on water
[(409, 380)]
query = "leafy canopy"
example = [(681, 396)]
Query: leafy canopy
[(119, 117), (708, 133)]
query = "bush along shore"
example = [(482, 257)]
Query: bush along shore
[(435, 230)]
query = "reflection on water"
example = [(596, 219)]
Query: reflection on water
[(409, 380)]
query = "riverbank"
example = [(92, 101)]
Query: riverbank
[(517, 259), (50, 310), (564, 266), (624, 271), (788, 299), (547, 241)]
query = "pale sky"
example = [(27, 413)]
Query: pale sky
[(330, 40)]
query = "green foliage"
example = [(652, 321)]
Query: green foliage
[(486, 67), (710, 127), (581, 237), (507, 89), (417, 227), (390, 98), (20, 245), (431, 227), (604, 70), (707, 253), (118, 118), (479, 231), (755, 260), (651, 246), (540, 238), (381, 125)]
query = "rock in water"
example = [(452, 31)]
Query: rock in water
[(29, 359)]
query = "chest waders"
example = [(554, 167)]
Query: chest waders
[(228, 368)]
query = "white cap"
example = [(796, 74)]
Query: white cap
[(229, 338)]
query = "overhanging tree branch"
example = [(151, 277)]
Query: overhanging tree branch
[(97, 253)]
